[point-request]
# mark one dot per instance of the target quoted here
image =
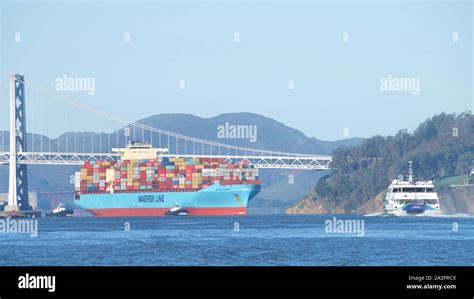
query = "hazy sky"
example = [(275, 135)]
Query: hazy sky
[(336, 52)]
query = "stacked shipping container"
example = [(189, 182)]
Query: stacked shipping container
[(174, 174), (92, 176)]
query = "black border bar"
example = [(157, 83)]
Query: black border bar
[(242, 282)]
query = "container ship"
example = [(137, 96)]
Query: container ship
[(144, 182)]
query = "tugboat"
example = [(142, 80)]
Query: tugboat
[(411, 198), (61, 211), (177, 211)]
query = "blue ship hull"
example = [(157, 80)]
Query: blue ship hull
[(415, 208), (214, 200)]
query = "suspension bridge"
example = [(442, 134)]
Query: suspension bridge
[(20, 150)]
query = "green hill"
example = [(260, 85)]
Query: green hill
[(451, 180)]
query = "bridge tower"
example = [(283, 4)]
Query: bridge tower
[(18, 176)]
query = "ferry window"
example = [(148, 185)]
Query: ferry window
[(420, 189), (429, 189)]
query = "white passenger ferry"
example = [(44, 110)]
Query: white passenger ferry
[(411, 198)]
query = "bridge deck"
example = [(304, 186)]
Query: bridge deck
[(265, 161)]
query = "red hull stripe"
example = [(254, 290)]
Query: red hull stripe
[(161, 212)]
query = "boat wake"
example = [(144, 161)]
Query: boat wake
[(452, 215), (382, 214)]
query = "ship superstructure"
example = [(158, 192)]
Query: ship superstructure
[(410, 197)]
